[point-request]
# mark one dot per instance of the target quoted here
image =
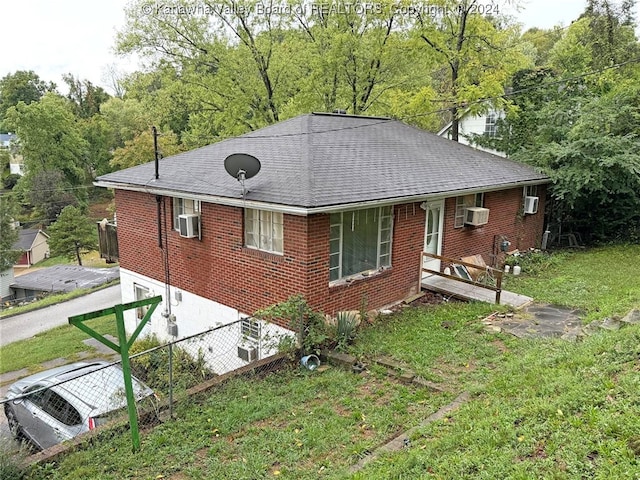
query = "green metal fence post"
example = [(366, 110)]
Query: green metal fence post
[(126, 370), (122, 348)]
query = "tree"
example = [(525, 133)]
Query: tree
[(8, 234), (85, 97), (49, 193), (141, 149), (22, 86), (72, 234), (478, 53), (50, 138)]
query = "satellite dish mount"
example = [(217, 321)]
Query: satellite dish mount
[(242, 166)]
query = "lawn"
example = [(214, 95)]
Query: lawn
[(538, 408), (64, 341)]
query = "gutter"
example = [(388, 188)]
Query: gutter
[(306, 211)]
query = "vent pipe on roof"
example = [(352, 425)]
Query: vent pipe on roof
[(155, 151), (340, 111)]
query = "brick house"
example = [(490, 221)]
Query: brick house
[(340, 212)]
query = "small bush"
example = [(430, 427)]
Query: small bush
[(346, 324), (535, 261), (153, 367)]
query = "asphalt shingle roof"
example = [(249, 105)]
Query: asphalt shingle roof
[(319, 160), (26, 237)]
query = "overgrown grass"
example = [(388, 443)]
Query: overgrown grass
[(539, 408), (64, 341), (603, 281), (551, 410)]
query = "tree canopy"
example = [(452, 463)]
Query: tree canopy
[(212, 71), (72, 234)]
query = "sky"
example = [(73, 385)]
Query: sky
[(53, 38)]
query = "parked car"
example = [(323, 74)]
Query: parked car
[(50, 407)]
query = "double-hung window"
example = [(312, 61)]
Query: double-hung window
[(182, 206), (473, 200), (360, 240), (263, 230), (491, 125)]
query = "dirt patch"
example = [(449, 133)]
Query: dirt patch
[(499, 344), (430, 298), (100, 210)]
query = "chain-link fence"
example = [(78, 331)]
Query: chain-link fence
[(60, 404)]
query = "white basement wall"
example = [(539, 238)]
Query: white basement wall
[(195, 314)]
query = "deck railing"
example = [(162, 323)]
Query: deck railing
[(492, 272)]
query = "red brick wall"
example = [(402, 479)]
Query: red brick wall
[(377, 290), (219, 268), (505, 220)]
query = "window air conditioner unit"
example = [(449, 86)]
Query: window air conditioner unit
[(189, 224), (476, 216), (247, 353), (530, 205)]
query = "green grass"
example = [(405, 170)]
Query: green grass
[(91, 259), (60, 342), (602, 281), (52, 300), (538, 409)]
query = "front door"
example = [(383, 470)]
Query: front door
[(433, 234)]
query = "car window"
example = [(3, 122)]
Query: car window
[(61, 410), (39, 396)]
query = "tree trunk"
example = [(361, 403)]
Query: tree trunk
[(78, 254)]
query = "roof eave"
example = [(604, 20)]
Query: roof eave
[(305, 211)]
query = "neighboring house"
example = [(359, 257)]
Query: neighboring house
[(16, 163), (470, 125), (6, 139), (340, 212), (34, 245), (6, 279)]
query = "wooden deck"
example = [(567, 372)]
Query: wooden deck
[(466, 291)]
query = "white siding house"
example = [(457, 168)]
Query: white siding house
[(469, 125)]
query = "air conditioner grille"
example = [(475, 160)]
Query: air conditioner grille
[(476, 216)]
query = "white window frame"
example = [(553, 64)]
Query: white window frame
[(264, 230), (384, 242), (140, 292), (466, 201), (491, 125), (530, 191), (250, 328), (182, 206)]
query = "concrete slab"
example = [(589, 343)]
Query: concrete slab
[(539, 321), (465, 291), (65, 278)]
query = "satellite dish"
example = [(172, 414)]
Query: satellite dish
[(242, 166)]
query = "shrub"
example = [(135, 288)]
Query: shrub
[(152, 365)]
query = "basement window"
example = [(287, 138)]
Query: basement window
[(141, 292), (466, 201), (360, 241)]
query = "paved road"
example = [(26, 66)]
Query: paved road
[(27, 325)]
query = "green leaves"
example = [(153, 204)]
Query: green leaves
[(72, 234)]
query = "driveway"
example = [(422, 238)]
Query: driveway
[(26, 325)]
